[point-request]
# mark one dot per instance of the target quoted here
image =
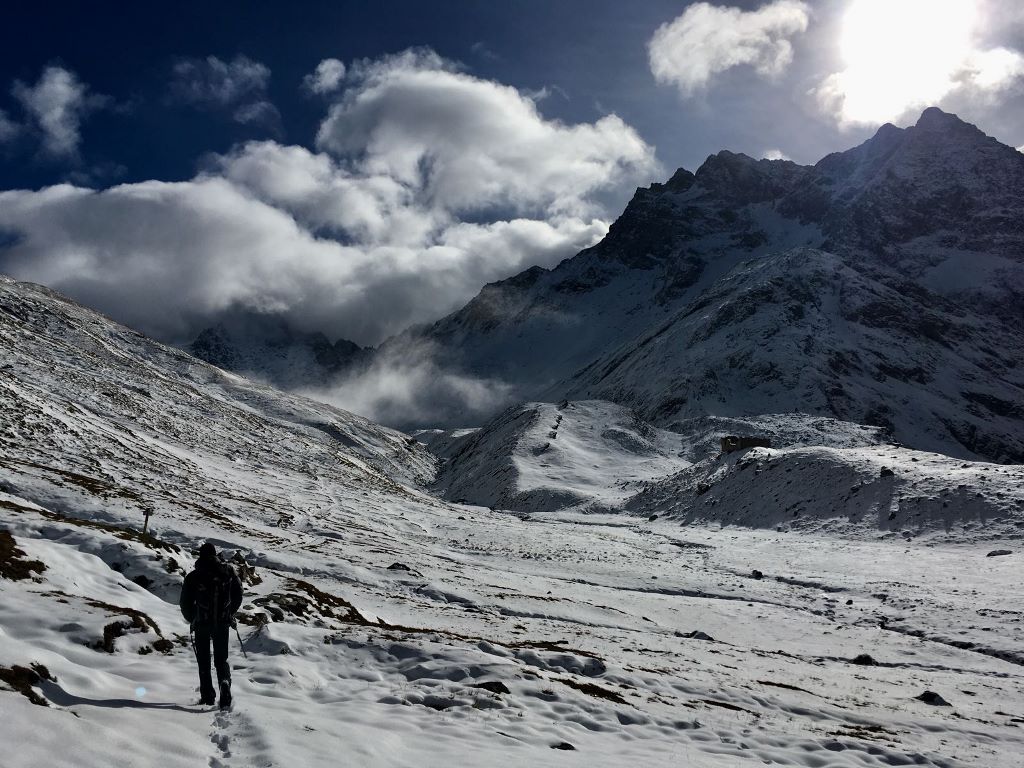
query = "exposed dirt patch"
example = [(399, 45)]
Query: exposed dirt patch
[(137, 620), (305, 600), (21, 679), (593, 690), (786, 686), (730, 707), (13, 564)]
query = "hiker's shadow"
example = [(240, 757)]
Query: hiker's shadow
[(62, 698)]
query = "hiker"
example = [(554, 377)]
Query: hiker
[(209, 598)]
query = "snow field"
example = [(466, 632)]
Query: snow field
[(373, 608)]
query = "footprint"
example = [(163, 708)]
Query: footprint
[(223, 742)]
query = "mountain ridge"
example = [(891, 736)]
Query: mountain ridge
[(932, 215)]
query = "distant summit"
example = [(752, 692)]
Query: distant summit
[(883, 285), (266, 347)]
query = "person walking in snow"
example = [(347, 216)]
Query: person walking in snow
[(211, 595)]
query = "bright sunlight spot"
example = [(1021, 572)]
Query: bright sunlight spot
[(899, 54)]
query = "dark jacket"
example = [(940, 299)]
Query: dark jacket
[(212, 593)]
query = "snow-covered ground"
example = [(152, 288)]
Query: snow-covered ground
[(387, 627), (542, 457)]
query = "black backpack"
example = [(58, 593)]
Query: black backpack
[(213, 594)]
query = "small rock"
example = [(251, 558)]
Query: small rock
[(695, 635), (652, 518), (886, 472), (399, 567), (702, 488), (849, 602), (931, 697), (563, 745), (494, 686), (757, 575), (999, 553), (863, 660)]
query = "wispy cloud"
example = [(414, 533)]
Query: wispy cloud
[(326, 78), (409, 387), (238, 87), (8, 128), (56, 106), (481, 50), (708, 39)]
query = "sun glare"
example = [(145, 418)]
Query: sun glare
[(900, 54)]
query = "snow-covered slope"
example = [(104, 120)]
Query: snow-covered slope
[(384, 627), (821, 474), (543, 457), (803, 331), (845, 491), (910, 244)]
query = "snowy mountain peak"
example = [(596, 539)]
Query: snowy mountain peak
[(882, 285), (935, 120)]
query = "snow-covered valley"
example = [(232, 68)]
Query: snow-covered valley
[(631, 595)]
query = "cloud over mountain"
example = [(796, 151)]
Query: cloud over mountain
[(463, 143), (427, 183), (708, 39)]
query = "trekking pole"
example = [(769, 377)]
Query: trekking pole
[(239, 636)]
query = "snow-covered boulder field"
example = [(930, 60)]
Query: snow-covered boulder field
[(385, 626)]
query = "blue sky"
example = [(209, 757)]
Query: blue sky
[(441, 145)]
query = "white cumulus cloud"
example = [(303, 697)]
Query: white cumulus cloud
[(427, 183), (56, 105), (708, 39), (463, 143), (326, 78), (775, 154)]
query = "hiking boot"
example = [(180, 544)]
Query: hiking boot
[(225, 695), (207, 697)]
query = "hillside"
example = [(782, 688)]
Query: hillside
[(394, 628), (540, 457), (804, 332), (761, 279)]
